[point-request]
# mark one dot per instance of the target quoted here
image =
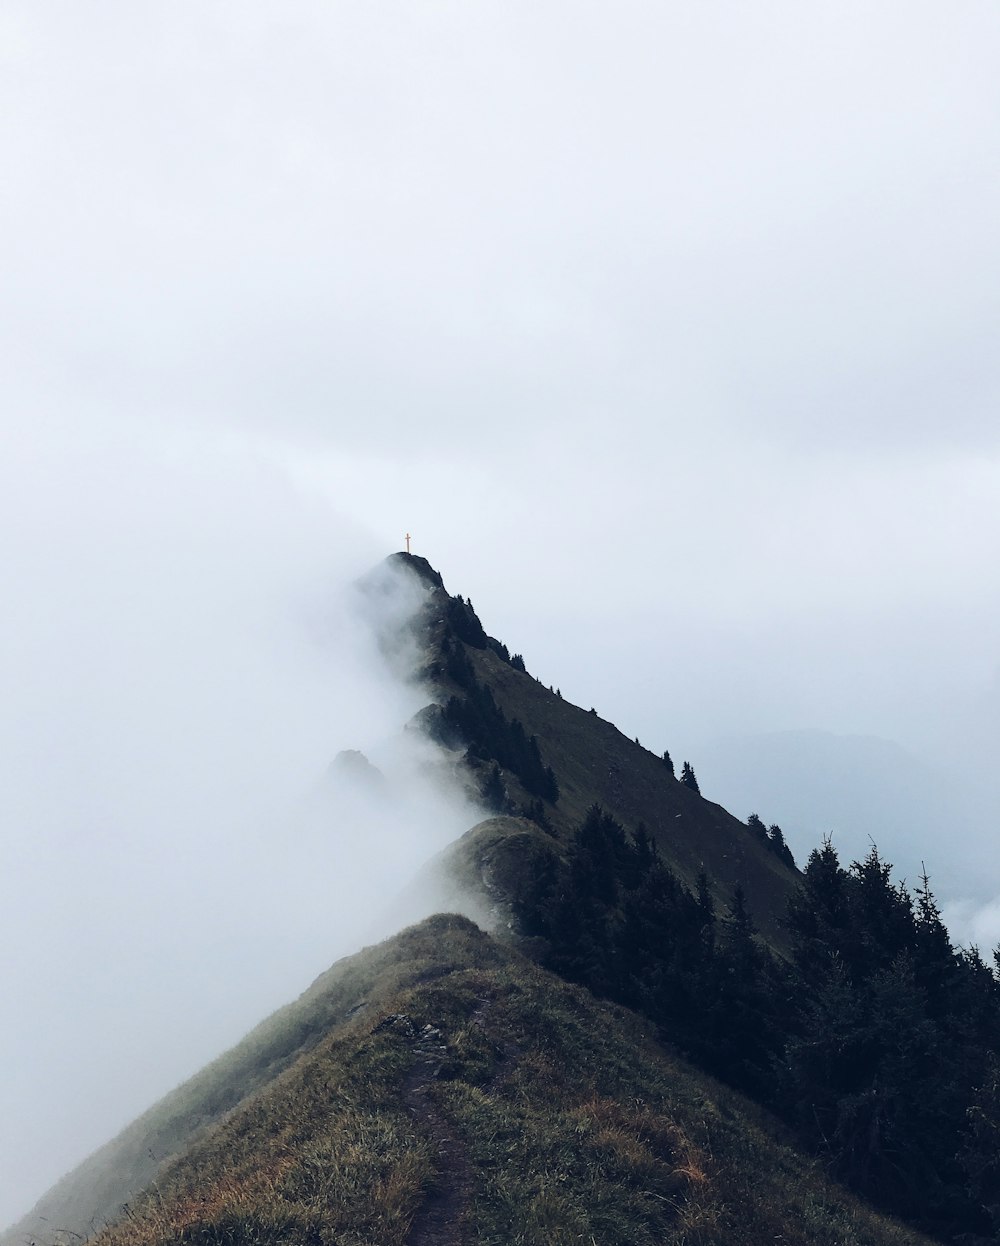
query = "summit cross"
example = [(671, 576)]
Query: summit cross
[(407, 542)]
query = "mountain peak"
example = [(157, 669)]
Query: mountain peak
[(418, 566)]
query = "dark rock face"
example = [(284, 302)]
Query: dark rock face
[(419, 566)]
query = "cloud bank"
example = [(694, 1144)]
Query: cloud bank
[(183, 657), (667, 330)]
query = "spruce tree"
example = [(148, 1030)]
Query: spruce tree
[(494, 792), (756, 827), (688, 778), (776, 842), (706, 911), (980, 1155)]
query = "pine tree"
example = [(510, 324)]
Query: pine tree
[(706, 910), (776, 842), (756, 827), (668, 763), (494, 793), (550, 786), (980, 1156), (819, 914), (645, 849), (740, 1036), (688, 778), (935, 962), (882, 916)]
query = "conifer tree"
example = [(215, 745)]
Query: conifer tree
[(494, 792), (534, 811), (688, 778), (980, 1154), (706, 911), (818, 913), (776, 842), (740, 1038), (644, 848), (756, 827)]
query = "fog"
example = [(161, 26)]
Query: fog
[(183, 656), (668, 331)]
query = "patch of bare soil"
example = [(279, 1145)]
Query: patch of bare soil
[(443, 1218)]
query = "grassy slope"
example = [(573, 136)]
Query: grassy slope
[(487, 870), (540, 1115), (571, 1125), (594, 761), (97, 1188)]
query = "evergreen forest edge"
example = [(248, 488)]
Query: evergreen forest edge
[(877, 1040)]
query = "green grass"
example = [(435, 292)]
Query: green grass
[(595, 762), (94, 1191), (571, 1123)]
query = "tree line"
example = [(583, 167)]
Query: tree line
[(475, 720), (877, 1039)]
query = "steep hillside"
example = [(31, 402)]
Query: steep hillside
[(542, 1079), (112, 1176), (592, 762), (465, 1095)]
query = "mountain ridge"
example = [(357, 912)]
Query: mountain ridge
[(591, 757), (429, 1048), (411, 1096)]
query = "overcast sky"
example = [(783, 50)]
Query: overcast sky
[(669, 331)]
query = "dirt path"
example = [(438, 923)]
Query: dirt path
[(442, 1220)]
